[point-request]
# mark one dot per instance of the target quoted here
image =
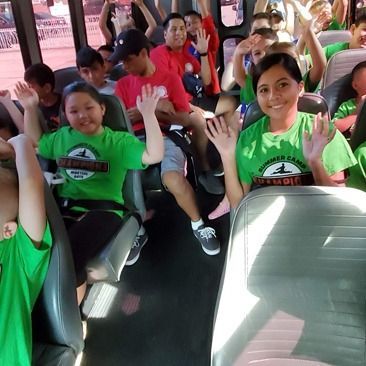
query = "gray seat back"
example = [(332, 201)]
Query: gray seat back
[(294, 282), (333, 36), (117, 72), (338, 92), (341, 64), (65, 77), (308, 102), (57, 332)]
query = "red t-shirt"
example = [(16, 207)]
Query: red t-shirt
[(177, 62), (169, 85)]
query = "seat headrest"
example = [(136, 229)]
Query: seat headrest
[(341, 64), (65, 77), (332, 36), (308, 102)]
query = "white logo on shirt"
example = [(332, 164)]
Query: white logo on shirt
[(162, 92), (281, 168), (82, 155), (188, 67)]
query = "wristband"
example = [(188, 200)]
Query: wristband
[(203, 54)]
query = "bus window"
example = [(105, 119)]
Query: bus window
[(231, 12), (229, 46), (55, 33), (10, 55)]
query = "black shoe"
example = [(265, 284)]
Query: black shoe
[(211, 184), (207, 237), (137, 245)]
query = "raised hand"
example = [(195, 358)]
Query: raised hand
[(314, 144), (147, 101), (27, 96), (138, 2), (246, 45), (202, 41), (4, 95), (222, 136)]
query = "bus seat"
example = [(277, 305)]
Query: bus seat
[(341, 64), (332, 36), (65, 77), (338, 92), (57, 331), (108, 265), (117, 72), (157, 37), (294, 281), (308, 102), (359, 133)]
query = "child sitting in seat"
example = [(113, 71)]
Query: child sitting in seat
[(285, 147), (25, 242), (346, 115), (92, 69), (94, 161), (41, 78)]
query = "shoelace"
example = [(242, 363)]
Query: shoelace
[(207, 233)]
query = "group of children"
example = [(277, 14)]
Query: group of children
[(285, 147)]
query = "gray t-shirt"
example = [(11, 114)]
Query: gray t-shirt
[(108, 87)]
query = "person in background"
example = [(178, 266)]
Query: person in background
[(345, 117), (92, 69), (41, 78), (106, 52)]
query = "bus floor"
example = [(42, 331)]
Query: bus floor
[(162, 310)]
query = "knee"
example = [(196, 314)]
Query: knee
[(174, 181)]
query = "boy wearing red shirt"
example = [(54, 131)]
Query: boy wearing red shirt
[(133, 49)]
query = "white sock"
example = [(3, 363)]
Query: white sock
[(197, 224)]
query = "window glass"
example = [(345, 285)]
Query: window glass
[(229, 46), (92, 11), (12, 67), (55, 33), (231, 12)]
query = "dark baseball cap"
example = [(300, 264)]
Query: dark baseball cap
[(129, 42)]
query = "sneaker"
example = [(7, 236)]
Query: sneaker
[(137, 245), (222, 209), (211, 184), (207, 238)]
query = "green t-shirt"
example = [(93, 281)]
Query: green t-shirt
[(330, 50), (345, 109), (334, 25), (94, 167), (267, 159), (247, 94), (23, 271), (357, 174)]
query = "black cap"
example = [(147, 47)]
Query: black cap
[(129, 42), (278, 13)]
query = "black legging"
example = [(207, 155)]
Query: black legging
[(88, 235)]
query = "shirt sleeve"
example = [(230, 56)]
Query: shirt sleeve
[(209, 25), (33, 258), (45, 145), (132, 150), (357, 173), (177, 94), (337, 155), (160, 58), (345, 110), (241, 161)]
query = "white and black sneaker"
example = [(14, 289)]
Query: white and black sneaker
[(207, 237), (140, 240)]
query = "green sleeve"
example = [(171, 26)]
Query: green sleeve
[(45, 145), (247, 94), (357, 173), (241, 163), (34, 259), (345, 109), (337, 155), (334, 25), (132, 150)]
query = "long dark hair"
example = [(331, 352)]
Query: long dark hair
[(283, 59)]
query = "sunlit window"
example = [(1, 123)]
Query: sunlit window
[(55, 33), (229, 46), (12, 68), (232, 12)]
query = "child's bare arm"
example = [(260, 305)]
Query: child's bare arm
[(28, 98), (103, 18), (203, 7), (151, 22), (14, 112), (32, 211), (161, 9), (146, 104)]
